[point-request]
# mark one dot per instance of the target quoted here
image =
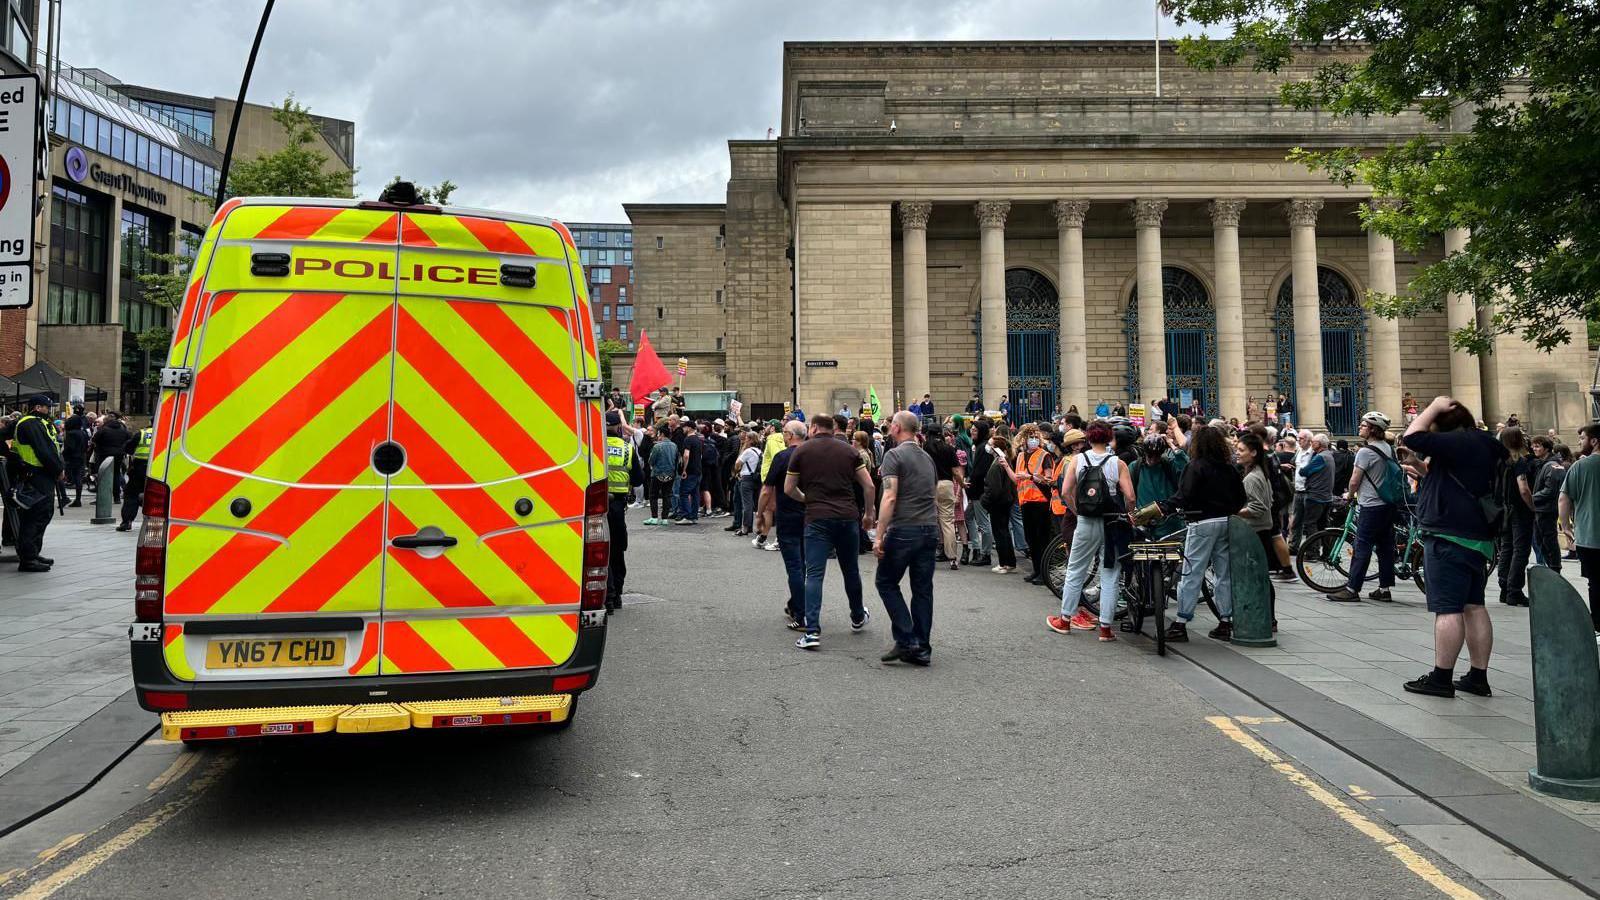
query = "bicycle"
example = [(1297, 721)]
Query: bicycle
[(1324, 560)]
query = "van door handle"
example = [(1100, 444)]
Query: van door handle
[(418, 541)]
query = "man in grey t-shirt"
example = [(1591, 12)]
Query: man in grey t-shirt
[(1376, 519), (908, 533)]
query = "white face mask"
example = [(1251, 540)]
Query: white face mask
[(1033, 443)]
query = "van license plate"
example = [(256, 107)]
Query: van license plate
[(264, 653)]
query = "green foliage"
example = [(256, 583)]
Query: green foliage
[(606, 349), (438, 195), (1513, 90), (297, 170)]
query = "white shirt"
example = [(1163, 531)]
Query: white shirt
[(749, 461), (1301, 457), (1113, 470)]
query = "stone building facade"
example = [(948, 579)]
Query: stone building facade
[(1030, 221)]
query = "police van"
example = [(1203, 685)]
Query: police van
[(377, 484)]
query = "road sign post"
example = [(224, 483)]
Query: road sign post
[(19, 174)]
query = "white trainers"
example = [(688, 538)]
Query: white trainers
[(757, 541), (771, 545), (1003, 570)]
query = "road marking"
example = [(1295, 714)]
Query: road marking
[(181, 765), (1258, 720), (1381, 836), (67, 842), (129, 836)]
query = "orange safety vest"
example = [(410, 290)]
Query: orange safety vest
[(1027, 490), (1058, 505)]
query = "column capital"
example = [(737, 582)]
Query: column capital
[(914, 214), (1384, 204), (1148, 213), (1303, 211), (992, 213), (1225, 213), (1069, 213)]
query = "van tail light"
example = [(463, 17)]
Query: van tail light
[(150, 565), (596, 545)]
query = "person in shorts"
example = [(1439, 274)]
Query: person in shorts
[(1458, 541)]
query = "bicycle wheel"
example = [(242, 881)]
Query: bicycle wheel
[(1155, 591), (1055, 564), (1324, 560), (1414, 560), (1132, 588)]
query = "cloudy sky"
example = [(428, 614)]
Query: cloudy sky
[(557, 107)]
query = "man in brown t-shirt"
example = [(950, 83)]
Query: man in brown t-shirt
[(822, 475)]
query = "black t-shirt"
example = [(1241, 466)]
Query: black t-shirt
[(1461, 468), (944, 459), (696, 448), (791, 513)]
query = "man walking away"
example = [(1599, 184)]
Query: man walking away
[(35, 493), (1378, 488), (1580, 514), (908, 530), (821, 473), (1546, 495), (138, 466), (1458, 518), (622, 473), (790, 516)]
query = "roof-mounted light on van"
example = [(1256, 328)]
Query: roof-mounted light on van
[(399, 195)]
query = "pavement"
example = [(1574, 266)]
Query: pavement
[(715, 759)]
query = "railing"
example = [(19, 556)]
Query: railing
[(84, 79)]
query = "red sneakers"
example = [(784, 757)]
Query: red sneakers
[(1084, 621), (1058, 625), (1105, 633)]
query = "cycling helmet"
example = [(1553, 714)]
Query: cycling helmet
[(1154, 445), (1124, 436), (1377, 419)]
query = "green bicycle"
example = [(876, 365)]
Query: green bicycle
[(1324, 559)]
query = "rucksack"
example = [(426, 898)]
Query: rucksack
[(1494, 512), (1392, 489), (1093, 493), (1282, 490)]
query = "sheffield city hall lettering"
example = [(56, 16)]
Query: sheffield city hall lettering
[(126, 184)]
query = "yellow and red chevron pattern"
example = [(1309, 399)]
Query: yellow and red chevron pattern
[(392, 326)]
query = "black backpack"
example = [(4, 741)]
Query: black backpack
[(1093, 493), (1282, 490)]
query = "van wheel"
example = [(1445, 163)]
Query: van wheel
[(572, 713)]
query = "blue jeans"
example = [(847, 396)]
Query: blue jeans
[(908, 547), (1019, 537), (1088, 544), (980, 534), (1205, 546), (822, 536), (792, 545), (1374, 529), (689, 497)]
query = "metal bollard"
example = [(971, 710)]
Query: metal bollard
[(103, 510), (1566, 689), (1252, 592)]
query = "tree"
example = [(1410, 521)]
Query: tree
[(1514, 88), (165, 286), (438, 195), (297, 170), (605, 349)]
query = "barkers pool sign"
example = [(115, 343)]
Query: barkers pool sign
[(19, 175)]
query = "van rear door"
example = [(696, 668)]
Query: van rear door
[(274, 560), (485, 520)]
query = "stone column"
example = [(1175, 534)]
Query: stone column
[(1384, 334), (1232, 396), (1152, 313), (996, 376), (1466, 379), (914, 260), (1074, 318), (1310, 410)]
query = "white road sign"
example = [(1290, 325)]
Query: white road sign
[(19, 172)]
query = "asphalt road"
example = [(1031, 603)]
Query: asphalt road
[(716, 760)]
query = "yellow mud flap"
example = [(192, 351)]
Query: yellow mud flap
[(529, 710), (373, 717), (209, 724)]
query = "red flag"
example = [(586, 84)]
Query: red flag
[(648, 372)]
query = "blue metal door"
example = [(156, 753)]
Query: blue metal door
[(1344, 349), (1033, 317), (1191, 342)]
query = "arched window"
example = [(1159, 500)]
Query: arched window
[(1345, 379), (1191, 326)]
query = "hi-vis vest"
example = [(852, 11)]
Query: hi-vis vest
[(142, 449), (1032, 464), (25, 451), (619, 465)]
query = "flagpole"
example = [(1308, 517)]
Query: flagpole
[(1158, 48)]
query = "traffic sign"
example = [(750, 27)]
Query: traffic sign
[(19, 174)]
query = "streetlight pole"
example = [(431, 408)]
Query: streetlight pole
[(244, 85)]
